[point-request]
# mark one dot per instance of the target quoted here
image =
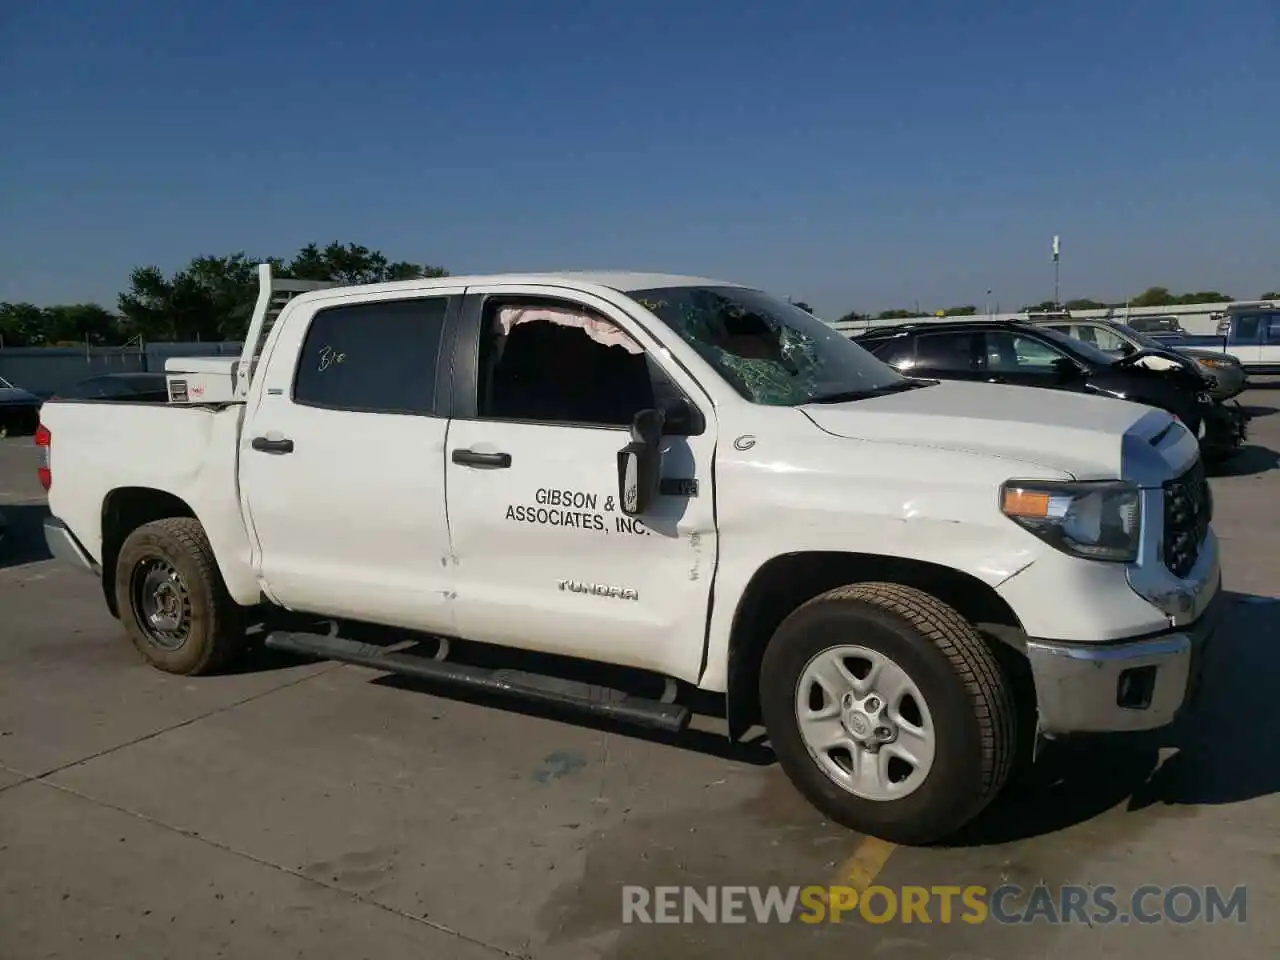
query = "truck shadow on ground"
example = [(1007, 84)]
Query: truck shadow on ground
[(1249, 460), (1224, 751), (22, 534), (705, 707)]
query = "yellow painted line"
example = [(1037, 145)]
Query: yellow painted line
[(861, 869)]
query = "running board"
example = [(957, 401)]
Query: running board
[(539, 688)]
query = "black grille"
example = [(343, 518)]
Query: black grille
[(1188, 507)]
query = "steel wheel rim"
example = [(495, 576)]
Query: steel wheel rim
[(865, 723), (161, 603)]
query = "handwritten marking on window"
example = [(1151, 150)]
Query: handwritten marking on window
[(330, 357)]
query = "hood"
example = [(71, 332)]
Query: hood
[(1072, 433), (1208, 355), (17, 395)]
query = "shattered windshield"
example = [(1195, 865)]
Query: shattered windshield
[(772, 352)]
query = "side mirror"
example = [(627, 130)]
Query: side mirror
[(1127, 349), (640, 463)]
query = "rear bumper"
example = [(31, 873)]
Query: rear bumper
[(1121, 687), (64, 546)]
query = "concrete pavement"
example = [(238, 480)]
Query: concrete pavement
[(303, 809)]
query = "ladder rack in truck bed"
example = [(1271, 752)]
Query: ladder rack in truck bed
[(200, 380)]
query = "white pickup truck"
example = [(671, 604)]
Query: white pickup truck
[(907, 582)]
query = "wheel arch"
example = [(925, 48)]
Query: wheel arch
[(124, 510), (785, 582)]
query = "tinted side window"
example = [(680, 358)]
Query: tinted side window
[(896, 353), (1246, 328), (1108, 340), (1012, 352), (373, 357), (946, 352)]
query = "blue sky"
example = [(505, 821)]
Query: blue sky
[(854, 155)]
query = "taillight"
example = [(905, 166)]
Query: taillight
[(44, 441)]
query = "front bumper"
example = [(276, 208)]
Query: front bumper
[(1123, 686), (64, 547), (1227, 383), (1226, 427)]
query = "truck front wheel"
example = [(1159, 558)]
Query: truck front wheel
[(888, 711), (172, 600)]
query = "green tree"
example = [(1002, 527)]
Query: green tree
[(1272, 295), (1153, 297), (353, 263), (966, 311), (26, 325), (80, 323), (1044, 306), (854, 316), (21, 324), (895, 314), (803, 306), (1084, 304), (209, 299), (212, 298), (1203, 296)]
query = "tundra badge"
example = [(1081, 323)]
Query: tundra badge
[(598, 589)]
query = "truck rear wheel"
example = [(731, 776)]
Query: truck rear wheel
[(888, 711), (172, 600)]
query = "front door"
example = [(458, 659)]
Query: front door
[(342, 464), (543, 558), (1027, 361)]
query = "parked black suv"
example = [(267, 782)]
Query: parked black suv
[(1023, 354)]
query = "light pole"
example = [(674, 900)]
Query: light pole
[(1057, 255)]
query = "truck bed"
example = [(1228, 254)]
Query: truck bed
[(101, 447)]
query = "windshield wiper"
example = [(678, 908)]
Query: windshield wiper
[(842, 396)]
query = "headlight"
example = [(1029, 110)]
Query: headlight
[(1097, 521), (1214, 363)]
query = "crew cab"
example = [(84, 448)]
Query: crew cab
[(1249, 331), (908, 582), (1034, 355)]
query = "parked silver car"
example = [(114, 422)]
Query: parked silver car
[(1110, 336)]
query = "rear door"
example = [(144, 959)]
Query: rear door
[(342, 461), (951, 355), (543, 558)]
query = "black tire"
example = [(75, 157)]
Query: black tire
[(214, 624), (969, 698)]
